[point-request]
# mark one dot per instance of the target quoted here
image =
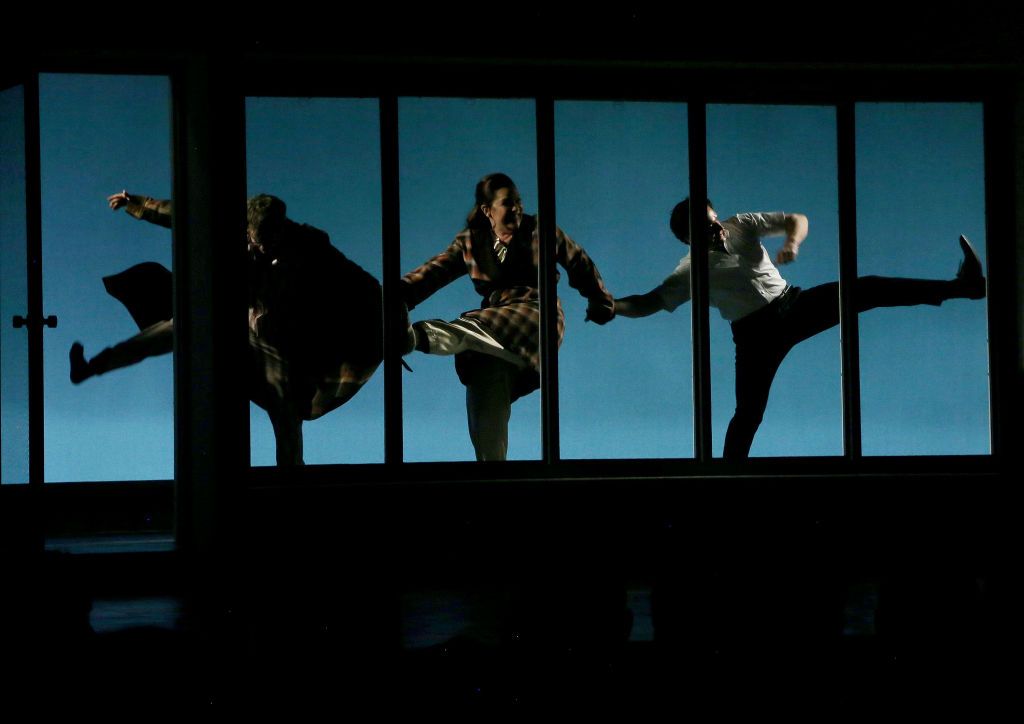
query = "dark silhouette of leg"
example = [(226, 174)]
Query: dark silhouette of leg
[(489, 406), (765, 337), (816, 309), (271, 387), (756, 365), (154, 340), (287, 437)]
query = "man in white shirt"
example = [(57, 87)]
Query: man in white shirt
[(767, 315)]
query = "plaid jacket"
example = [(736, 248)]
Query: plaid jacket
[(155, 211), (315, 319), (510, 304)]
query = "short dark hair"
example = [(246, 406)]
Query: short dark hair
[(266, 215), (679, 222)]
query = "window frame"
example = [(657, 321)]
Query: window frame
[(203, 85)]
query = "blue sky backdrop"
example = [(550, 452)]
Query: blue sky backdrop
[(625, 388)]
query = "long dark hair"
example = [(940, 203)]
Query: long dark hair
[(486, 188)]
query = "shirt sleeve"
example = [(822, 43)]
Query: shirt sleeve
[(747, 230), (675, 290), (582, 272), (434, 273), (155, 211)]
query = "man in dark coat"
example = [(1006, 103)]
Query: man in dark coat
[(315, 320)]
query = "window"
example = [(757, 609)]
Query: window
[(100, 134), (924, 370), (445, 146), (625, 389), (782, 158), (321, 156)]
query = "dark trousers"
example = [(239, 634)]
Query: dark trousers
[(764, 338)]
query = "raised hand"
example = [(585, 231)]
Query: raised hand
[(787, 253), (116, 201)]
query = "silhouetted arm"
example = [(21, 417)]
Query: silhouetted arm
[(155, 211), (640, 305)]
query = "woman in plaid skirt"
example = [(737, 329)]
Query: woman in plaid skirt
[(497, 347)]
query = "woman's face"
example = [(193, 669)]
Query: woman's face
[(505, 211)]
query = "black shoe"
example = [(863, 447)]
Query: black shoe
[(408, 339), (407, 335), (969, 276), (79, 367)]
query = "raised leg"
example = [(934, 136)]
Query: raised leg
[(154, 340), (435, 336)]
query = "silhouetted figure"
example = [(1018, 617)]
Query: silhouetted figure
[(497, 347), (315, 321), (768, 316), (145, 290)]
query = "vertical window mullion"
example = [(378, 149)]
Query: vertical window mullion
[(849, 330), (548, 287), (698, 151), (391, 238), (210, 340), (34, 310), (1004, 264), (34, 240)]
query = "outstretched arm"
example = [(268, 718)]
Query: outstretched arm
[(434, 273), (148, 209), (668, 295), (640, 305), (585, 278), (796, 232)]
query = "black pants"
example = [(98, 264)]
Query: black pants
[(764, 338)]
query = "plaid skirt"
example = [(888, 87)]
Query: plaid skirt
[(513, 319)]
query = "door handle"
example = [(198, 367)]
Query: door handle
[(18, 321)]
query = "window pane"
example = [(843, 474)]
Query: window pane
[(100, 135), (625, 389), (780, 159), (446, 146), (924, 369), (13, 292), (321, 156)]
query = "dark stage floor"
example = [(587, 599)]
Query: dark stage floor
[(490, 646)]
